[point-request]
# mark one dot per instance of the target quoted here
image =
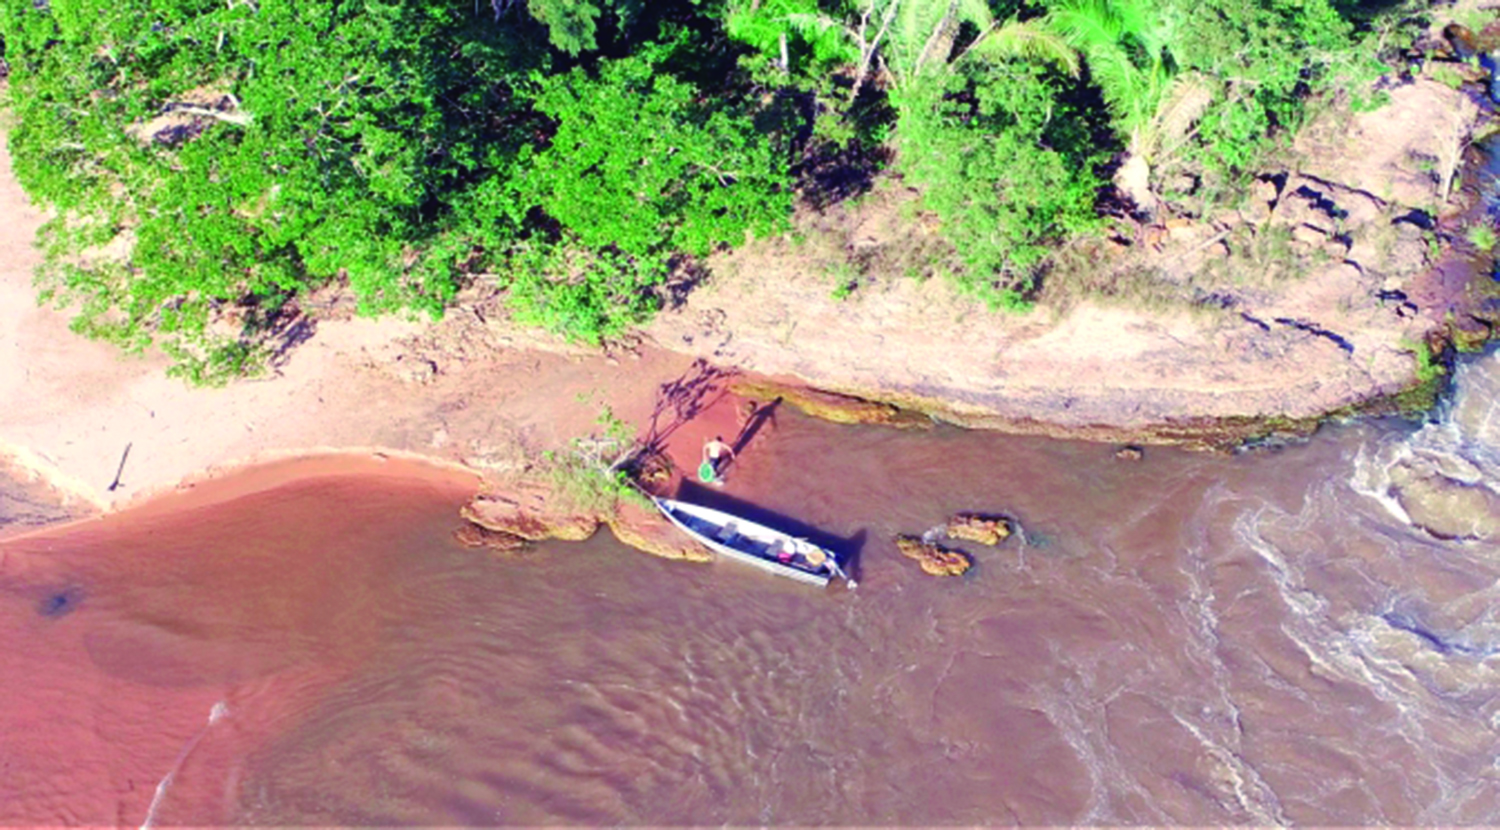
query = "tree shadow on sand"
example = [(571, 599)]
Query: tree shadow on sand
[(680, 401), (288, 334)]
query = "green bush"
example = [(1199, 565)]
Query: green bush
[(209, 162), (1269, 59), (1003, 163), (1482, 236), (641, 168), (247, 153)]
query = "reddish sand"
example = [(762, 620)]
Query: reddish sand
[(229, 483), (141, 647)]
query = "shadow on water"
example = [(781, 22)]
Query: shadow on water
[(846, 548)]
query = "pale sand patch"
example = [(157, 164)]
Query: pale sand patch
[(232, 482), (72, 406)]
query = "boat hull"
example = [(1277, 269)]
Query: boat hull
[(707, 526)]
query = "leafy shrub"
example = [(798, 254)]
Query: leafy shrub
[(1482, 236), (242, 153), (208, 161), (1271, 57), (642, 167), (1003, 164)]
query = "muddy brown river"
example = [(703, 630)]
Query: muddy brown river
[(1263, 638)]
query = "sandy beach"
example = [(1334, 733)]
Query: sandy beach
[(75, 406)]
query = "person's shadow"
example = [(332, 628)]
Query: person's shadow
[(758, 419), (762, 415)]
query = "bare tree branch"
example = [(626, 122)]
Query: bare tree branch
[(240, 119), (868, 50)]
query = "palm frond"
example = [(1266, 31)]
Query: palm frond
[(831, 39), (922, 22), (1183, 103), (1102, 30), (1119, 79), (1087, 24), (976, 12), (1030, 40), (812, 25), (1138, 19)]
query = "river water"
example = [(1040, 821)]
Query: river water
[(1263, 638)]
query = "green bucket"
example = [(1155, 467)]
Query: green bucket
[(706, 472)]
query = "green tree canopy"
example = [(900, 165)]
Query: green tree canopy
[(641, 167), (208, 161)]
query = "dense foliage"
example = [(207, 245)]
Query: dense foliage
[(210, 162)]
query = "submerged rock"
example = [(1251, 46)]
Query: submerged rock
[(1445, 500), (934, 560), (474, 536), (529, 510), (977, 527)]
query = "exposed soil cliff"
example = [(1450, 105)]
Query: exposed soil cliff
[(1309, 299)]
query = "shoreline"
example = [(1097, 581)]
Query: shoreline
[(246, 476), (1314, 297), (474, 393), (235, 478)]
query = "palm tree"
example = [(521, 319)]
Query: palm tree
[(1126, 46), (913, 40), (922, 42)]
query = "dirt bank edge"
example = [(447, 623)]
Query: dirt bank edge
[(1207, 433)]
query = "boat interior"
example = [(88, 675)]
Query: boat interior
[(728, 534), (846, 548)]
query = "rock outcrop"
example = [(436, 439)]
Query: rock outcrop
[(473, 536), (1447, 497), (536, 519), (933, 559), (530, 508), (977, 527), (647, 530)]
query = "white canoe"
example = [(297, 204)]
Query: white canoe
[(753, 543)]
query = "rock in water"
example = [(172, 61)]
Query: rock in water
[(934, 560), (474, 536), (1130, 453), (976, 527), (645, 529), (531, 515)]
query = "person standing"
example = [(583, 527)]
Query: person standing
[(716, 454)]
